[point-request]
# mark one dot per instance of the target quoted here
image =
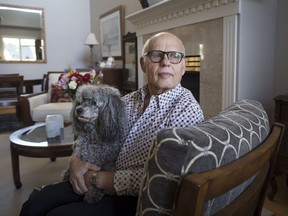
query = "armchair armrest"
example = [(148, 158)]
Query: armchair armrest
[(28, 102)]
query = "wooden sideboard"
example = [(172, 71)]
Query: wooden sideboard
[(281, 115), (115, 77)]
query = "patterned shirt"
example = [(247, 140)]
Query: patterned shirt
[(174, 108)]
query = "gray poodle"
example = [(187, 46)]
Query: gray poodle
[(99, 121)]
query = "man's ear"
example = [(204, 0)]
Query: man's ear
[(142, 64)]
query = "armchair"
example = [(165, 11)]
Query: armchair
[(221, 166), (35, 107)]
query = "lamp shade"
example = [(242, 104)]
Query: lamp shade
[(91, 39)]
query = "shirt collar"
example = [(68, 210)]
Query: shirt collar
[(164, 98)]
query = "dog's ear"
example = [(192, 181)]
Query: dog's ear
[(77, 125), (112, 118)]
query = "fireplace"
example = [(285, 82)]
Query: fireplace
[(209, 23), (191, 81), (191, 77)]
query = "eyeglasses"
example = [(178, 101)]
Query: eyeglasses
[(157, 56)]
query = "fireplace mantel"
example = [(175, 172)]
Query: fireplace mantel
[(172, 13), (248, 39)]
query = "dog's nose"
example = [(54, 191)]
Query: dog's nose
[(79, 110)]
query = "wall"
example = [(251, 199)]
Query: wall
[(99, 7), (260, 71), (281, 51), (67, 25), (256, 52), (71, 20)]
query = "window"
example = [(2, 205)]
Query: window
[(19, 49)]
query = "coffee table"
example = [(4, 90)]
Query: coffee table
[(32, 142)]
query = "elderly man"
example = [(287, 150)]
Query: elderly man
[(161, 103)]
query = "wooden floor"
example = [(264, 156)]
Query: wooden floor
[(279, 205)]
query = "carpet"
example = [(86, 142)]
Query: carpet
[(33, 172), (9, 122)]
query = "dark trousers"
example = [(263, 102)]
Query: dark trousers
[(60, 199)]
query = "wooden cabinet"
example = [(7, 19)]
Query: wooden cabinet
[(281, 115), (114, 77), (130, 60)]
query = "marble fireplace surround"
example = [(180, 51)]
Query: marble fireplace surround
[(212, 23)]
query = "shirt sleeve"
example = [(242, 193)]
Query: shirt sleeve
[(186, 113), (127, 182)]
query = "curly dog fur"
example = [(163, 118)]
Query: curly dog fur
[(99, 121)]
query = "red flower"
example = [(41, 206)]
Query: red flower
[(69, 82)]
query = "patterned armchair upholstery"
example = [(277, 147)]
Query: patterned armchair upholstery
[(179, 151)]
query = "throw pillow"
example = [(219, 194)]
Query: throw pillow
[(57, 95)]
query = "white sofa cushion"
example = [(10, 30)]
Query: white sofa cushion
[(39, 113)]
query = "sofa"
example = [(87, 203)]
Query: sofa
[(35, 107), (177, 152)]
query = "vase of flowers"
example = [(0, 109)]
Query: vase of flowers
[(69, 82)]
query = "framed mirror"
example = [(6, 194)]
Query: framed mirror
[(22, 34), (130, 62)]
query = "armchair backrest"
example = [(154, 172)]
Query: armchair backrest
[(51, 78), (198, 188), (178, 152)]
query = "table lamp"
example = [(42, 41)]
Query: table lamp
[(109, 43), (91, 41)]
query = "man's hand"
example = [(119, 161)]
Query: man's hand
[(77, 170)]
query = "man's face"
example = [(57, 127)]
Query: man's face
[(164, 75)]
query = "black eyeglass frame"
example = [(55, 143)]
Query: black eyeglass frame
[(146, 54)]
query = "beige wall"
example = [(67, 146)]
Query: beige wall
[(67, 24), (279, 85), (99, 7)]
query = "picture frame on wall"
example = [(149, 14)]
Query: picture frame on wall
[(111, 31)]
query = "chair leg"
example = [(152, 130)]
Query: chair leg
[(274, 188), (18, 113)]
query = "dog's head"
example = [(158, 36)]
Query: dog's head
[(101, 106)]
